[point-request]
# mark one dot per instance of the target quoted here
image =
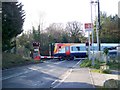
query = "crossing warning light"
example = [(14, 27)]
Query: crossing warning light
[(37, 58), (36, 44)]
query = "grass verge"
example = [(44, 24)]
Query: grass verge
[(101, 71), (97, 65), (88, 63)]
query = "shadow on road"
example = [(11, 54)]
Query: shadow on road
[(75, 85), (36, 79)]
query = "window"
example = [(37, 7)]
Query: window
[(59, 46), (75, 48), (67, 48), (78, 48)]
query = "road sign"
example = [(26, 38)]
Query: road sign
[(88, 26)]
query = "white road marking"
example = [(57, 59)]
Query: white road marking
[(59, 62), (91, 78), (54, 82), (51, 70), (15, 75), (76, 64), (33, 67), (50, 65), (68, 72)]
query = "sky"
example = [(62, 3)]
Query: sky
[(63, 11)]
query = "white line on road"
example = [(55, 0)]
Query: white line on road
[(15, 75), (54, 82), (59, 62), (92, 81), (68, 72), (76, 64), (63, 78)]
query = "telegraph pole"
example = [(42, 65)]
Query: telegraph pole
[(99, 26), (97, 30), (92, 35)]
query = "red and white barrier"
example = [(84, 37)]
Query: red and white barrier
[(49, 57)]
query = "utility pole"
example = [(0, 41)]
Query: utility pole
[(92, 35), (97, 35), (99, 26)]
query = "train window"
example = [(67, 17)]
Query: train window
[(75, 48), (78, 48), (83, 48), (72, 48)]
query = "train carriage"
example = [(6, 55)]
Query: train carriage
[(80, 50), (70, 50)]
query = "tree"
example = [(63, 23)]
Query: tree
[(65, 38), (55, 32), (74, 31), (110, 31), (12, 21), (24, 44)]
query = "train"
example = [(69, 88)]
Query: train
[(80, 50)]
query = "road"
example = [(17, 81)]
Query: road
[(50, 74)]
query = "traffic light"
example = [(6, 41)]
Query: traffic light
[(36, 43)]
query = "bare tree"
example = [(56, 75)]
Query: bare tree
[(55, 32), (74, 30)]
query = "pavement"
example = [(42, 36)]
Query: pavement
[(75, 80), (99, 79), (83, 78)]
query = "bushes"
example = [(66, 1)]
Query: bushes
[(10, 60), (97, 64), (86, 63), (106, 71)]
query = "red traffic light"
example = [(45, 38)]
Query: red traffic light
[(36, 43)]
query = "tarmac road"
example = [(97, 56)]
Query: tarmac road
[(50, 74)]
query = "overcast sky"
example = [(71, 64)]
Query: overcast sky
[(62, 11)]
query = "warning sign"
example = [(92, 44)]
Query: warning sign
[(88, 26)]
